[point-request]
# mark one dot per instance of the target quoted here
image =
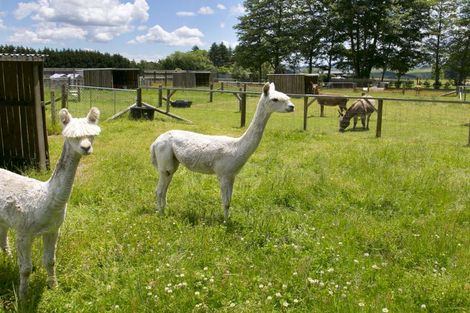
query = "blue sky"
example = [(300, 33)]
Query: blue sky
[(136, 29)]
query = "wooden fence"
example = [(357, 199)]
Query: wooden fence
[(23, 137)]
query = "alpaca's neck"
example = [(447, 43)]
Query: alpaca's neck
[(61, 182), (250, 140)]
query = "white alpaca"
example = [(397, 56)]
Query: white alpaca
[(35, 208), (220, 155)]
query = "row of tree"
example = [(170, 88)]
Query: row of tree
[(357, 35), (69, 58)]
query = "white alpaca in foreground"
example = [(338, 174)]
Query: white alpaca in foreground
[(220, 155), (35, 208)]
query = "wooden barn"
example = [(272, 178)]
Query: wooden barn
[(122, 78), (191, 79), (23, 135), (294, 83)]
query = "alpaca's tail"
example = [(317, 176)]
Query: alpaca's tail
[(153, 154)]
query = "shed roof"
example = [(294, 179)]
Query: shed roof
[(22, 57)]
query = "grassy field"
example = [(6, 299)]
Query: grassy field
[(322, 221)]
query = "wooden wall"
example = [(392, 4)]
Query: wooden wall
[(23, 135), (192, 79), (111, 78), (293, 83)]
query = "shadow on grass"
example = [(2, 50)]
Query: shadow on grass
[(356, 130), (9, 280)]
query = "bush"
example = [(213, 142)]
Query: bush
[(426, 84), (398, 84), (447, 85), (437, 85)]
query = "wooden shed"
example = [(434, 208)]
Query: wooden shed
[(123, 78), (23, 135), (294, 83), (191, 79)]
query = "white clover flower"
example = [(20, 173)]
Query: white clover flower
[(366, 254), (278, 294), (197, 293), (375, 267), (269, 298), (261, 286), (330, 270), (384, 310), (285, 304), (361, 304), (423, 306)]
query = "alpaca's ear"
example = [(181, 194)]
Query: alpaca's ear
[(64, 116), (272, 87), (340, 113), (266, 89), (93, 115)]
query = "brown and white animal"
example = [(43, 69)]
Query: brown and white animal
[(219, 155), (35, 208), (362, 108), (329, 100)]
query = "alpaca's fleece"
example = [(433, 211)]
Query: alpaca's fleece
[(35, 208)]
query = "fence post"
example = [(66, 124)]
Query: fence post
[(64, 96), (160, 96), (114, 101), (222, 86), (243, 110), (468, 133), (78, 94), (211, 96), (167, 100), (53, 109), (378, 131), (305, 112), (138, 98)]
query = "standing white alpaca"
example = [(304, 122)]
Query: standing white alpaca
[(35, 208), (220, 155)]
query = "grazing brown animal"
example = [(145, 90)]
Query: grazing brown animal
[(331, 100), (361, 108)]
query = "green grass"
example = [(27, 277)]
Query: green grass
[(322, 221)]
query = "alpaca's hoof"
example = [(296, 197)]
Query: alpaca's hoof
[(52, 283)]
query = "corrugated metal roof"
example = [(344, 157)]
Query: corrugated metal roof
[(22, 57)]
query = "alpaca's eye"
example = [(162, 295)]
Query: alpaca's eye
[(275, 99)]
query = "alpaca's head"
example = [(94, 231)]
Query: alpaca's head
[(80, 132), (275, 101)]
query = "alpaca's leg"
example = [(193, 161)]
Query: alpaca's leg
[(48, 259), (322, 110), (162, 187), (167, 165), (367, 121), (226, 188), (355, 121), (4, 240), (24, 243)]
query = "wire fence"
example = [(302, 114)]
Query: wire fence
[(109, 100), (410, 119)]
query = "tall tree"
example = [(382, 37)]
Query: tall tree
[(265, 32), (458, 63), (442, 18)]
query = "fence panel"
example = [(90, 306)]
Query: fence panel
[(108, 100)]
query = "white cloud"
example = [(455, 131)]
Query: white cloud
[(222, 25), (185, 13), (2, 25), (220, 6), (238, 10), (46, 33), (100, 20), (205, 11), (183, 36)]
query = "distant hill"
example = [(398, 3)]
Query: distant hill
[(421, 73)]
